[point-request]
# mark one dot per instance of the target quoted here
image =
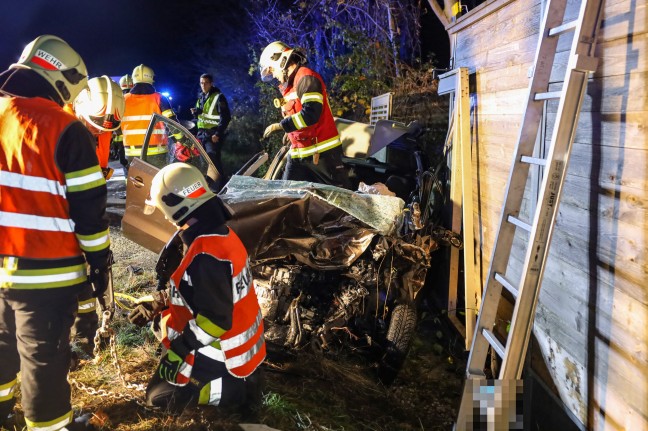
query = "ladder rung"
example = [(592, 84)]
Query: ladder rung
[(533, 160), (563, 28), (494, 342), (519, 223), (504, 282), (548, 95)]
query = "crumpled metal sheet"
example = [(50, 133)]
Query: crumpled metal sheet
[(322, 226)]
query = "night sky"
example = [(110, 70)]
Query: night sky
[(114, 36), (111, 36)]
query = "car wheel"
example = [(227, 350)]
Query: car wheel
[(398, 341)]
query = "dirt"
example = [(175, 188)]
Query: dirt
[(301, 391)]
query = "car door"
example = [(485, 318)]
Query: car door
[(153, 231)]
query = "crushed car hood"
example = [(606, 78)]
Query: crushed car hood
[(322, 226)]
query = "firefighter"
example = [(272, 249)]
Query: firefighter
[(141, 102), (212, 329), (52, 227), (100, 108), (316, 149), (213, 116), (125, 83)]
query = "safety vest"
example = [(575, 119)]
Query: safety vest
[(139, 108), (318, 137), (209, 118), (242, 347), (35, 221)]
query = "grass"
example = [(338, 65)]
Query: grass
[(303, 392)]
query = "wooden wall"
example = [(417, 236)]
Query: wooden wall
[(592, 320)]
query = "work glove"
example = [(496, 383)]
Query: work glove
[(147, 310), (274, 127), (175, 367), (184, 153), (99, 276)]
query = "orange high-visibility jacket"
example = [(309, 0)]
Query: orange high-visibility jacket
[(35, 221), (137, 114), (242, 347), (318, 137)]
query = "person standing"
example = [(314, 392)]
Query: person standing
[(141, 103), (316, 149), (100, 108), (213, 116), (125, 83), (52, 225), (212, 329)]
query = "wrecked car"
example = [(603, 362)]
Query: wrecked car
[(335, 270)]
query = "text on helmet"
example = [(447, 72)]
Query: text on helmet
[(47, 60)]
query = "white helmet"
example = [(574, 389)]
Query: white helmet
[(177, 190), (126, 82), (274, 61), (144, 74), (100, 106), (61, 66)]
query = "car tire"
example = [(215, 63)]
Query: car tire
[(400, 334)]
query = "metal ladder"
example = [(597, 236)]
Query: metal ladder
[(525, 292)]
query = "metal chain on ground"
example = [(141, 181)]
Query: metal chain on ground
[(104, 331)]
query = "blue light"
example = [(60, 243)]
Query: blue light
[(165, 93)]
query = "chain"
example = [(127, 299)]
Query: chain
[(105, 331)]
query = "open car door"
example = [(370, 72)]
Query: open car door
[(153, 231)]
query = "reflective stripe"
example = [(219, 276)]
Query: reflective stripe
[(168, 113), (29, 221), (151, 151), (53, 425), (244, 337), (215, 391), (243, 359), (7, 390), (95, 242), (312, 97), (298, 120), (212, 353), (85, 179), (203, 337), (42, 278), (143, 132), (87, 306), (212, 117), (291, 96), (300, 153), (31, 183), (137, 117)]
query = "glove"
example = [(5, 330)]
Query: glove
[(184, 153), (146, 311), (178, 358), (274, 127), (99, 277)]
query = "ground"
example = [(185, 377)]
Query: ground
[(302, 391)]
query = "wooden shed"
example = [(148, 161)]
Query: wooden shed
[(591, 323)]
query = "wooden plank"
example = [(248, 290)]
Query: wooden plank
[(511, 102), (502, 126), (518, 22), (617, 57), (627, 130), (619, 93), (613, 165)]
